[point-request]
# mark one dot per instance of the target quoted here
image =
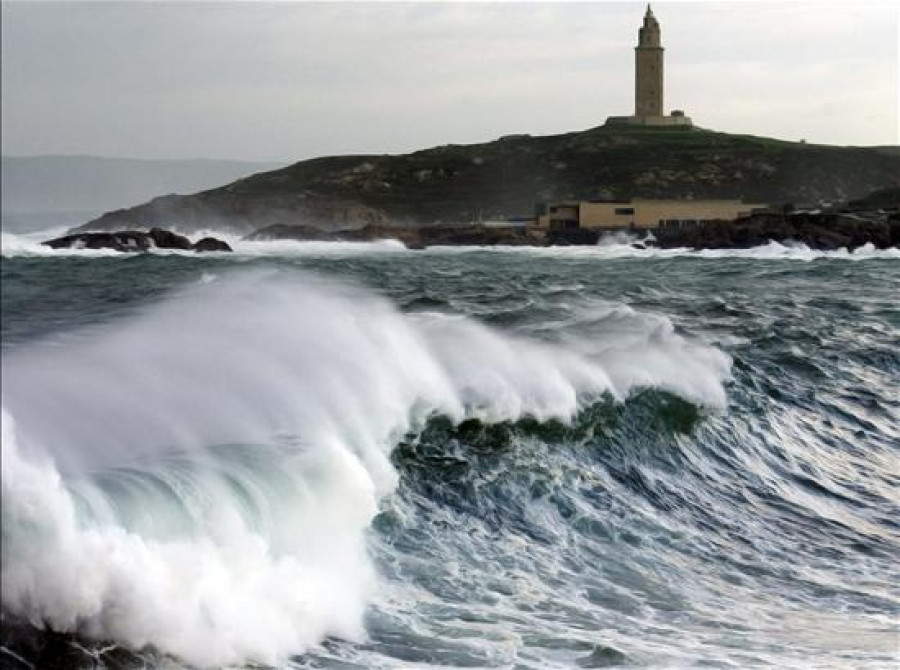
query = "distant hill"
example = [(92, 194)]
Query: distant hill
[(42, 191), (892, 150), (506, 177)]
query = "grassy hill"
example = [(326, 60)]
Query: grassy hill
[(506, 177)]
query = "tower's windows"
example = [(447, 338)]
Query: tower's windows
[(623, 211)]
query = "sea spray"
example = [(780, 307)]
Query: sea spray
[(615, 246), (200, 477), (218, 594)]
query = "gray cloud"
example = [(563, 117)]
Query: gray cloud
[(286, 80)]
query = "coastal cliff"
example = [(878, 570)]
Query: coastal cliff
[(456, 184)]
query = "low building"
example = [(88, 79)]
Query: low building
[(640, 214)]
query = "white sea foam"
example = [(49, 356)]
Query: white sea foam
[(29, 244), (609, 247), (121, 520), (613, 249)]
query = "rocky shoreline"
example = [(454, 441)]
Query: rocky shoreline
[(135, 241), (413, 238), (820, 231), (844, 228)]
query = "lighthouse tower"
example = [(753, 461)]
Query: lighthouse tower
[(648, 69), (648, 81)]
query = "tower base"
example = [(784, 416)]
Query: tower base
[(656, 121)]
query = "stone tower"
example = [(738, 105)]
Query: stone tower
[(648, 83), (648, 69)]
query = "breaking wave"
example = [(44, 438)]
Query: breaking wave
[(200, 478)]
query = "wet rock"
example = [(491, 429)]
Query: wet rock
[(135, 240), (211, 244), (827, 231), (166, 239), (24, 646), (126, 240)]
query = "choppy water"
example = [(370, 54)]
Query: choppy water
[(360, 456)]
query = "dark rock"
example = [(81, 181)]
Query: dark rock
[(25, 646), (211, 244), (135, 240), (573, 236), (893, 223), (126, 240), (166, 239), (825, 231)]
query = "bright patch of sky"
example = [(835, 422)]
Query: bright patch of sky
[(285, 81)]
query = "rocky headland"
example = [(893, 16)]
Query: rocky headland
[(453, 185)]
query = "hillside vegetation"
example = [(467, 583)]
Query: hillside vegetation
[(506, 177)]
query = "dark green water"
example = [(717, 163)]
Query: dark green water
[(350, 456)]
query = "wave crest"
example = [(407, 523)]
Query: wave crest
[(200, 478)]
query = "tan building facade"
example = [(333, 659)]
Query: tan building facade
[(642, 214)]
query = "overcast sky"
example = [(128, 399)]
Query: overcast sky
[(285, 81)]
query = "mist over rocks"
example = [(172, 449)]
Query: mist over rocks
[(211, 244), (460, 184), (136, 240)]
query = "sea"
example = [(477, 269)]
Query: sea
[(335, 455)]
